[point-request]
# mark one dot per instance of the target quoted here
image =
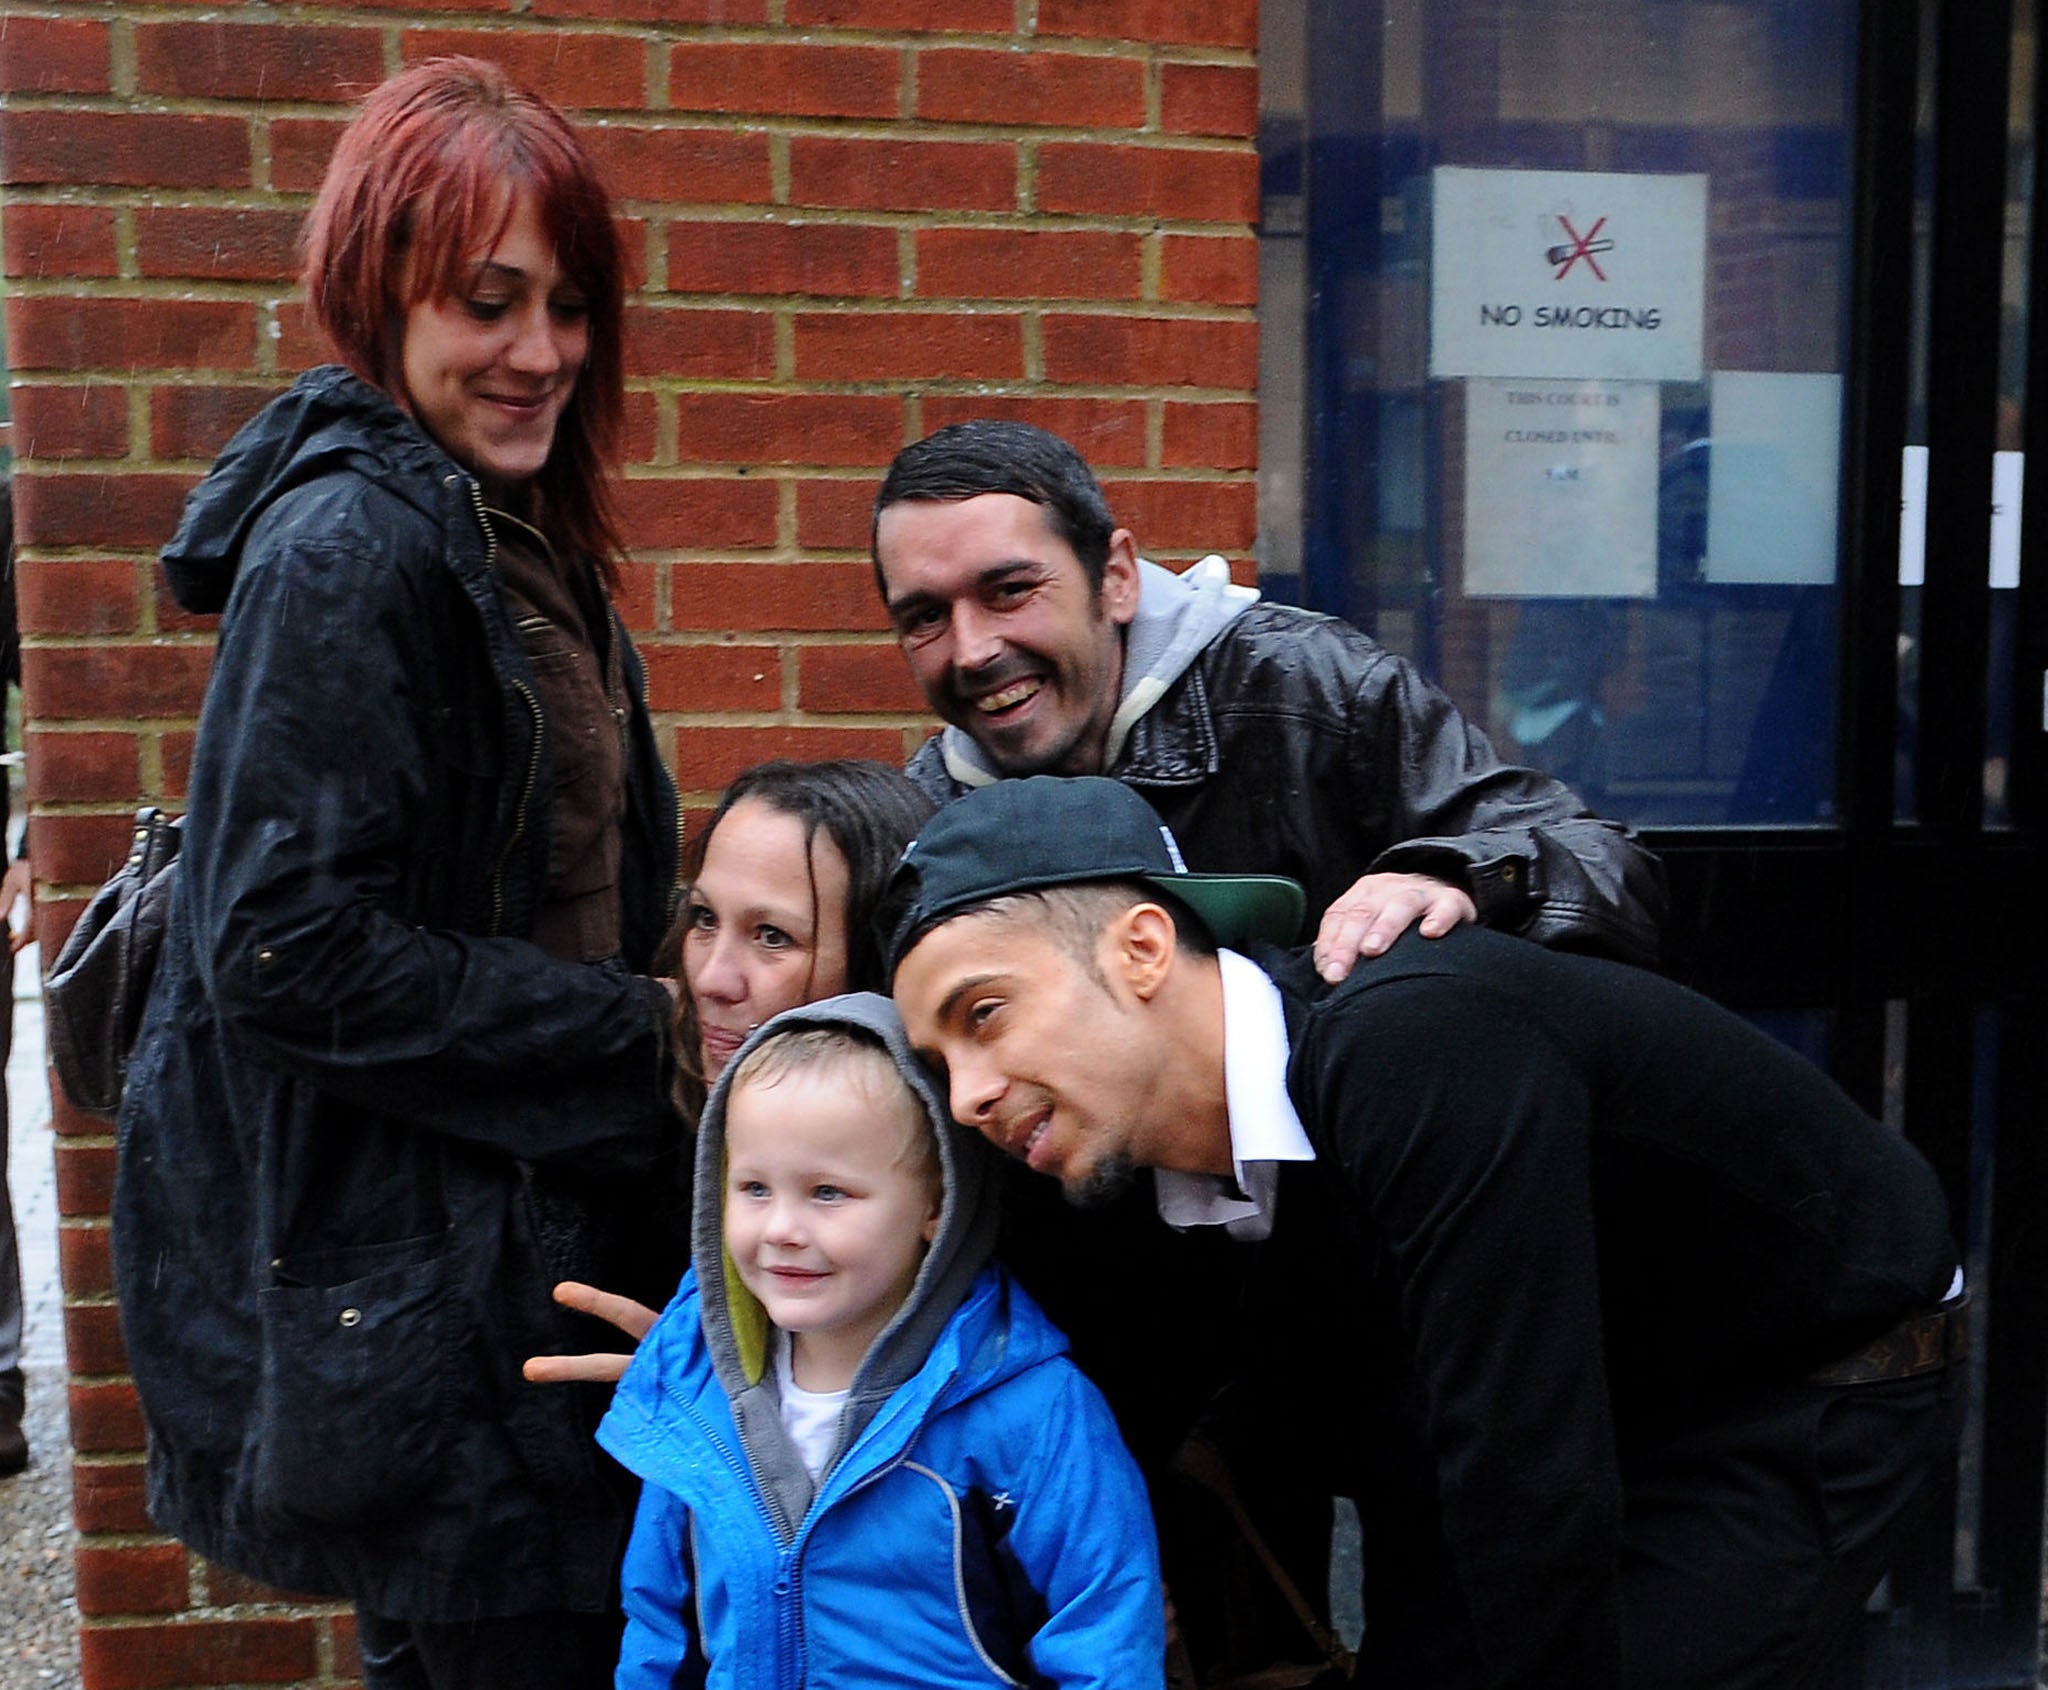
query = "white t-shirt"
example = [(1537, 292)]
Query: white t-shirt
[(811, 1418)]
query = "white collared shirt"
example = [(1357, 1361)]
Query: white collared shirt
[(1264, 1129)]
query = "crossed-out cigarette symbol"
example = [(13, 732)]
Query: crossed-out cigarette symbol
[(1582, 246)]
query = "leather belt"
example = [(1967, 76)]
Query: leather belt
[(1921, 1343)]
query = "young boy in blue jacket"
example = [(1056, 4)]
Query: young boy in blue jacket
[(867, 1457)]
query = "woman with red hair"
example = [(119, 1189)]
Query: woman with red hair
[(404, 1066)]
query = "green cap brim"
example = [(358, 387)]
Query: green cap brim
[(1240, 909)]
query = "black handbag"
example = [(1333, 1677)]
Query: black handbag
[(95, 992)]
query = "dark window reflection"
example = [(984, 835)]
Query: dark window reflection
[(1709, 700)]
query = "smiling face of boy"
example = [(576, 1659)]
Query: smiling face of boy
[(832, 1194)]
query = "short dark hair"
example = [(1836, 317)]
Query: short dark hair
[(1073, 916), (965, 460)]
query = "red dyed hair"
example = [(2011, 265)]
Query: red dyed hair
[(421, 185)]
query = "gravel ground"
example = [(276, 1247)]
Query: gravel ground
[(38, 1624)]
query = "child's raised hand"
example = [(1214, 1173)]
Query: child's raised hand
[(605, 1367)]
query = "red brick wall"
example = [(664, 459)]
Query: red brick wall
[(856, 220)]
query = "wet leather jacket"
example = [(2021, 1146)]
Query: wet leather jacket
[(1296, 745)]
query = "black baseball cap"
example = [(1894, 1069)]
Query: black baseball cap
[(1021, 835)]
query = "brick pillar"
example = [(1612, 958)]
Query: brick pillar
[(855, 220)]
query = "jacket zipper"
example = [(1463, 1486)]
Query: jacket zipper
[(789, 1575), (735, 1464), (788, 1537), (788, 1549), (678, 820), (525, 692), (519, 814)]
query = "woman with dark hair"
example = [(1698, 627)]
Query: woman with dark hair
[(777, 909), (406, 1063), (778, 912)]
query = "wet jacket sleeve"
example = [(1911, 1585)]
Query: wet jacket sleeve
[(1470, 1172), (658, 1651), (1535, 860), (315, 817), (1084, 1538)]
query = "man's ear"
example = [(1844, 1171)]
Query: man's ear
[(1120, 579), (1143, 945)]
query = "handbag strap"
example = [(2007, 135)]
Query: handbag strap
[(1199, 1460), (157, 838)]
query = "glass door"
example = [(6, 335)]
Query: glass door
[(1571, 289), (1655, 373)]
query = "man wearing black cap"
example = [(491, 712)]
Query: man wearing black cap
[(1627, 1329)]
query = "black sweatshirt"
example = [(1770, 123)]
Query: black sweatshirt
[(1560, 1206)]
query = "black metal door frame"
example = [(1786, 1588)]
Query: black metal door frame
[(1922, 941), (1925, 938)]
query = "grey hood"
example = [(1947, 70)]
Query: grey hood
[(1178, 615), (735, 1325)]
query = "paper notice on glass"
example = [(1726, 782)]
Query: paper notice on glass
[(1774, 477), (1560, 489), (2008, 478), (2008, 481), (1572, 274), (1913, 518)]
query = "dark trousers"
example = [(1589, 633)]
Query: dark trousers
[(1752, 1542), (1752, 1538), (526, 1652)]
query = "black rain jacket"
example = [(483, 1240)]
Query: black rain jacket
[(367, 1124)]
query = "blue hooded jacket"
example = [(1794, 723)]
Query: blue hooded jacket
[(979, 1521)]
